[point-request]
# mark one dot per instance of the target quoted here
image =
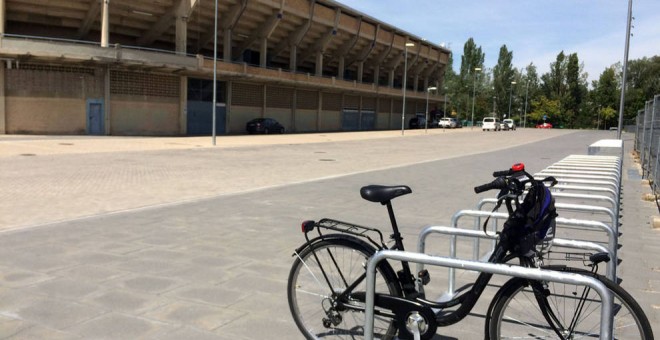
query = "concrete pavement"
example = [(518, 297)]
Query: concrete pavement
[(50, 179), (172, 238)]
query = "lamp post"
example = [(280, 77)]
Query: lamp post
[(474, 91), (426, 124), (526, 93), (405, 75), (494, 99), (444, 110), (510, 96), (215, 68)]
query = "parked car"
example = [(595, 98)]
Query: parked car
[(504, 126), (264, 125), (511, 125), (491, 123), (417, 122), (544, 126), (448, 123)]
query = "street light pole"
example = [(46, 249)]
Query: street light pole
[(510, 96), (474, 91), (215, 68), (526, 93), (444, 110), (426, 124), (405, 75), (494, 98)]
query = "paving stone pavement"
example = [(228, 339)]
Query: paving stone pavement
[(173, 238)]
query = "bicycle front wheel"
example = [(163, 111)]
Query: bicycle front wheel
[(574, 311), (323, 271)]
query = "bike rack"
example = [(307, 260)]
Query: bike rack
[(612, 243), (560, 206), (479, 234), (570, 207), (501, 269)]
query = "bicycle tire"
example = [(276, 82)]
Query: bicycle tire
[(308, 293), (516, 313)]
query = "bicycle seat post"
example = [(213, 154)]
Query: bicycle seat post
[(395, 228)]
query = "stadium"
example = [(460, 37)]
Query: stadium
[(146, 67)]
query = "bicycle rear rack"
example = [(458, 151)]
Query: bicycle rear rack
[(351, 229)]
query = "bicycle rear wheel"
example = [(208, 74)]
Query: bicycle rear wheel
[(516, 312), (312, 300)]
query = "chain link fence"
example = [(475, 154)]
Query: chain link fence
[(647, 141)]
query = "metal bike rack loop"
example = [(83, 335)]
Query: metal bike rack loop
[(558, 242), (612, 236), (614, 218), (501, 269), (610, 212)]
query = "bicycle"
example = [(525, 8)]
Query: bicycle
[(326, 285)]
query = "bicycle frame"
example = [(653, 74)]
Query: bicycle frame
[(406, 280)]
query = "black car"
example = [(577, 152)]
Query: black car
[(417, 123), (264, 125)]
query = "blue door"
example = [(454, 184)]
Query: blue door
[(350, 120), (367, 120), (95, 118), (200, 118)]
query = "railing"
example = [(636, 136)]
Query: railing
[(647, 141)]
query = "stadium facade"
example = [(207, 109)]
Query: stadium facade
[(145, 67)]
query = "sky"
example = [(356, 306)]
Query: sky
[(534, 30)]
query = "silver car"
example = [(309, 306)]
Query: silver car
[(448, 123)]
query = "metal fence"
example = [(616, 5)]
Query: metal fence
[(647, 141)]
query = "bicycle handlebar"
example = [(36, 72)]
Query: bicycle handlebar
[(518, 167), (498, 183), (503, 173)]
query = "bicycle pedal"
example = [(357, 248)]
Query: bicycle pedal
[(424, 277)]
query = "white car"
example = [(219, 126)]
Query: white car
[(491, 123), (448, 123), (510, 124)]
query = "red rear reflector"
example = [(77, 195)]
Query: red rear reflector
[(307, 226), (518, 167)]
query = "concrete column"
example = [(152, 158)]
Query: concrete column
[(105, 24), (340, 68), (318, 112), (229, 105), (2, 16), (376, 75), (183, 107), (292, 58), (3, 112), (181, 38), (416, 80), (391, 78), (263, 52), (106, 100), (293, 110), (264, 101), (319, 64), (360, 69), (226, 46)]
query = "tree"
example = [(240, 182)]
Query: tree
[(503, 75), (544, 107), (553, 81), (576, 90), (472, 58), (532, 89), (643, 84)]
